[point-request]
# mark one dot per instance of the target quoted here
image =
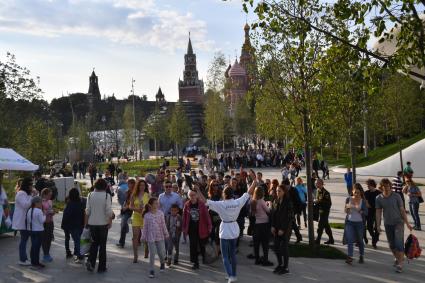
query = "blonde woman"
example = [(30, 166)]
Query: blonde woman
[(139, 198)]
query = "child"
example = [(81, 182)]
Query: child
[(34, 223), (47, 236), (174, 226), (73, 223), (154, 233)]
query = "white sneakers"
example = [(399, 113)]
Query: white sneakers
[(24, 263), (232, 279)]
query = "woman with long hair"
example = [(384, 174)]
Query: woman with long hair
[(281, 226), (99, 220), (356, 210), (261, 234), (22, 204), (272, 190), (138, 199), (154, 233)]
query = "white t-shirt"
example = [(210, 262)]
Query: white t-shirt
[(229, 210), (22, 204), (36, 220)]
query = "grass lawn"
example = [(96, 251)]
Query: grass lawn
[(140, 168), (324, 251), (374, 155)]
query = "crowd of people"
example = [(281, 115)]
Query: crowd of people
[(209, 210)]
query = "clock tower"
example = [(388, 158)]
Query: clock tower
[(191, 88)]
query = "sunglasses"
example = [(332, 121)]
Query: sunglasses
[(168, 186)]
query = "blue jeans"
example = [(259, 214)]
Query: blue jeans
[(414, 211), (35, 247), (228, 251), (354, 234), (23, 245)]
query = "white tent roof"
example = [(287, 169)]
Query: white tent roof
[(11, 160)]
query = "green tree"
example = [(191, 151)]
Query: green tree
[(37, 142), (403, 104), (179, 127), (287, 58), (215, 74), (128, 126), (216, 119), (156, 126), (244, 121)]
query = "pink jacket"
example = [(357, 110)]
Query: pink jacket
[(205, 225)]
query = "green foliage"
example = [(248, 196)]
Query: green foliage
[(37, 142), (16, 81), (78, 138), (179, 128), (128, 125), (390, 20), (243, 120), (216, 118), (215, 73)]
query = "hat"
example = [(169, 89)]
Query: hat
[(36, 200)]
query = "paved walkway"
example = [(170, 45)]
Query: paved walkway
[(121, 269)]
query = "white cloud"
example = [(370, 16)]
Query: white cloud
[(140, 22)]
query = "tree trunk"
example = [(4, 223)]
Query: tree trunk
[(353, 157), (365, 143), (177, 151), (156, 154), (310, 197)]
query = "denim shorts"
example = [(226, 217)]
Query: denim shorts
[(395, 236)]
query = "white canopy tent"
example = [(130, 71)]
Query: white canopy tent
[(11, 160)]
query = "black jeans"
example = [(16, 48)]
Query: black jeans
[(281, 249), (196, 244), (371, 227), (324, 225), (296, 231), (47, 237), (304, 213), (261, 236), (99, 235), (35, 247), (92, 179)]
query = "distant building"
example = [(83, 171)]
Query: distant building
[(191, 88), (240, 75)]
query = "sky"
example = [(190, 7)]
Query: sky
[(61, 41)]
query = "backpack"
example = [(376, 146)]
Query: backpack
[(412, 248)]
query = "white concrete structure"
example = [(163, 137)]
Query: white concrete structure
[(390, 166)]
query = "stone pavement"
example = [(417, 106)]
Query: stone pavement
[(121, 269)]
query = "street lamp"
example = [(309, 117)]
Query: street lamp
[(60, 125), (104, 131)]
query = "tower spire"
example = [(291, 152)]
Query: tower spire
[(189, 46)]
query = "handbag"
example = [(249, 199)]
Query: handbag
[(420, 199), (85, 242)]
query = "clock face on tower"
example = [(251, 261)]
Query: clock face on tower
[(187, 73)]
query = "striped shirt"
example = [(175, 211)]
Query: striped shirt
[(397, 185)]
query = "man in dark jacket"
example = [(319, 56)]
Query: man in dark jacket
[(296, 207), (324, 202), (281, 221)]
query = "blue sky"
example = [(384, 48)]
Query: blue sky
[(62, 40)]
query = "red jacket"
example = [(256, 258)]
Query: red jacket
[(205, 225)]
